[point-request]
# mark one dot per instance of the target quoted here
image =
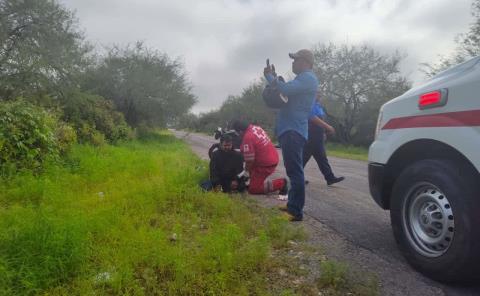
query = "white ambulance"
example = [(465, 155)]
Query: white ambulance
[(424, 167)]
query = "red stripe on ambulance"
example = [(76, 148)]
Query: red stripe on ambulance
[(449, 119)]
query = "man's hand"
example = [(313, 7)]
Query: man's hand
[(321, 123), (267, 70), (330, 130)]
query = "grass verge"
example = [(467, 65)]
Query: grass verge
[(131, 220), (347, 152)]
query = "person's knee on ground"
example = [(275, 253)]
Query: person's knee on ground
[(268, 186)]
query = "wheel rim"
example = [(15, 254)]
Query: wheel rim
[(428, 220)]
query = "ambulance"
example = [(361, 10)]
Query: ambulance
[(424, 167)]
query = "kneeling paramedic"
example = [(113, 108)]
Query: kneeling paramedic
[(261, 159)]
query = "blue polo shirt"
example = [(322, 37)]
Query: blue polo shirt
[(315, 132), (301, 95), (317, 110)]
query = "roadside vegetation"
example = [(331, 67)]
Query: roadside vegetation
[(131, 219), (347, 151), (92, 201)]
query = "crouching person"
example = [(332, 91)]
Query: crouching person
[(226, 166), (261, 159)]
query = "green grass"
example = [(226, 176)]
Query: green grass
[(131, 220), (337, 279), (346, 151)]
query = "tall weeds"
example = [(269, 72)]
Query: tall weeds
[(130, 219)]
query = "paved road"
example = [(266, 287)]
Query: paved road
[(348, 210)]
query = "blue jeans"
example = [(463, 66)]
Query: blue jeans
[(292, 144)]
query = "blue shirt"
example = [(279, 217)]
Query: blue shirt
[(317, 110), (315, 132), (301, 95)]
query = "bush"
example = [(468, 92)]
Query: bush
[(94, 118), (89, 134), (143, 131), (27, 136), (66, 137)]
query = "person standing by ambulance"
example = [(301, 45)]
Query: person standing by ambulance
[(316, 142), (292, 125)]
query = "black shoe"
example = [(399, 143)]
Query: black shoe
[(291, 217), (284, 190), (335, 180)]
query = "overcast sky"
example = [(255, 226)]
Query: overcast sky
[(224, 44)]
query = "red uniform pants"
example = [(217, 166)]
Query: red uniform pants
[(259, 184)]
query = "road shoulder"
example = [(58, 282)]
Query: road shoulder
[(393, 278)]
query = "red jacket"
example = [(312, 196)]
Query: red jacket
[(257, 148)]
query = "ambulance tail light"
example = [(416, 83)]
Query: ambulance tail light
[(433, 99)]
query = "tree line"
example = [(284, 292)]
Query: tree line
[(354, 82), (55, 89)]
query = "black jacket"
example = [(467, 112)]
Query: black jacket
[(225, 166)]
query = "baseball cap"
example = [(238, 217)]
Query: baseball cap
[(305, 54)]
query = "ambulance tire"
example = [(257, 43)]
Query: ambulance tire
[(435, 219)]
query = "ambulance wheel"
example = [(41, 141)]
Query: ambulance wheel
[(435, 215)]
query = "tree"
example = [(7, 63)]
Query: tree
[(145, 85), (94, 118), (187, 121), (354, 82), (468, 46), (247, 106), (41, 49)]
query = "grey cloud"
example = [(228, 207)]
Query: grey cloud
[(224, 43)]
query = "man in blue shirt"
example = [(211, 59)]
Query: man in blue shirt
[(315, 145), (292, 125)]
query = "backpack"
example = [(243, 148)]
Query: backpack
[(272, 96)]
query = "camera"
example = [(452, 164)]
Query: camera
[(220, 133)]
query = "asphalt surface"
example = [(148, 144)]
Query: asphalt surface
[(352, 226)]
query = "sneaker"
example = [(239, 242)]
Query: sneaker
[(335, 180), (286, 186), (291, 217)]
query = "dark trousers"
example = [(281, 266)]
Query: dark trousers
[(316, 147), (292, 144)]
